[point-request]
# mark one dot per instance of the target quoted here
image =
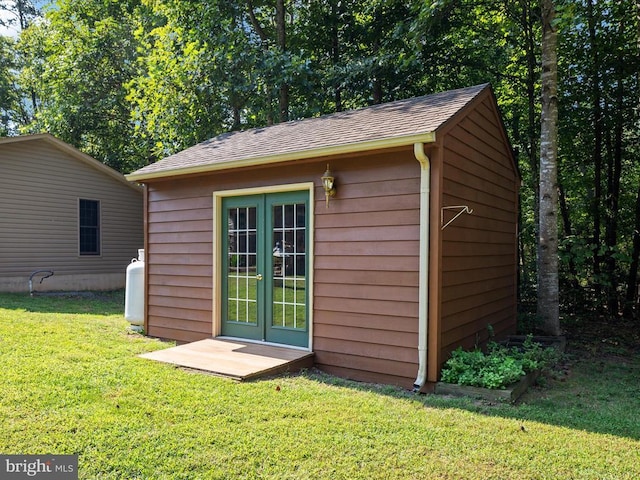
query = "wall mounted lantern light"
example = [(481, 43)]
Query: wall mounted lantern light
[(328, 183)]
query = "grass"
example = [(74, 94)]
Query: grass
[(72, 383)]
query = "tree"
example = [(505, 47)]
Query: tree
[(21, 13), (9, 94), (599, 167), (177, 97), (79, 60), (548, 285)]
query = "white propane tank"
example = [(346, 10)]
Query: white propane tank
[(134, 291)]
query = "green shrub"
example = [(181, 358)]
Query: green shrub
[(499, 367)]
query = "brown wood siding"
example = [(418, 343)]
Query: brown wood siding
[(180, 233), (40, 187), (180, 277), (478, 250), (366, 270), (365, 261)]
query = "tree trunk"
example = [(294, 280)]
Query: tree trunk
[(548, 294), (568, 232), (632, 279), (264, 39), (377, 91), (335, 51), (532, 150), (265, 44), (597, 151), (376, 74), (283, 99), (22, 15), (613, 194)]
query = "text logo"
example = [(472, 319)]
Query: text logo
[(49, 467)]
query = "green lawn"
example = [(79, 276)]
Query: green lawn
[(72, 383)]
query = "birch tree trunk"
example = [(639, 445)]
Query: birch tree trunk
[(548, 294)]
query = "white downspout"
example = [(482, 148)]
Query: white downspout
[(423, 272)]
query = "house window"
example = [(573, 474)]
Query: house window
[(89, 227)]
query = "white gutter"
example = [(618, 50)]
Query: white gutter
[(423, 272)]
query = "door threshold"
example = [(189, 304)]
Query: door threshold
[(262, 342)]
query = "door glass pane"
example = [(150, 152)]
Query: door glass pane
[(242, 291), (289, 266)]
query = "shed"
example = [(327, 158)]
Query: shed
[(63, 211), (412, 255)]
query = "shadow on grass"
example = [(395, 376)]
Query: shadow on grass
[(598, 394), (105, 303)]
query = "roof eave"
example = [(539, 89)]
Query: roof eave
[(378, 144)]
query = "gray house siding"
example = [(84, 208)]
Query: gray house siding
[(41, 184)]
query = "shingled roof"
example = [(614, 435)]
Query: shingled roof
[(396, 123)]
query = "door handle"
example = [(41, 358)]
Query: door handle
[(259, 276)]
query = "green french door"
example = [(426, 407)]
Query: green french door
[(265, 268)]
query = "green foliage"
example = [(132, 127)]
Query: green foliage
[(79, 59), (499, 367), (477, 369), (9, 96), (535, 356), (599, 61)]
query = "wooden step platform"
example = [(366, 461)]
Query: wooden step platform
[(234, 359)]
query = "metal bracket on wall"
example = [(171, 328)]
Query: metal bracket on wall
[(462, 209)]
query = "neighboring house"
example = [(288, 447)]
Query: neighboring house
[(378, 284), (65, 212)]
